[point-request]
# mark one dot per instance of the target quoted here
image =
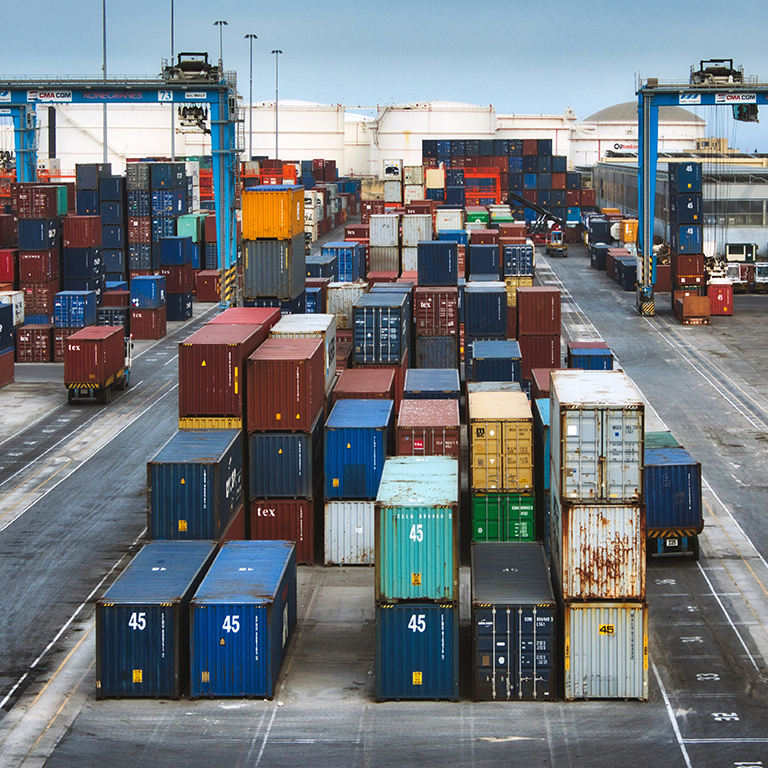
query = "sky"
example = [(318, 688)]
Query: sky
[(529, 58)]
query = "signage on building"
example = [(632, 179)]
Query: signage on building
[(622, 147), (687, 99), (735, 98), (55, 96)]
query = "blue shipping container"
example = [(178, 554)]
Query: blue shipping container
[(74, 309), (625, 271), (323, 265), (142, 621), (432, 384), (112, 188), (684, 177), (178, 306), (518, 260), (454, 195), (286, 464), (140, 256), (87, 202), (350, 260), (114, 316), (559, 164), (314, 300), (357, 436), (673, 501), (111, 212), (485, 310), (484, 259), (541, 411), (38, 234), (139, 202), (437, 352), (496, 361), (148, 292), (406, 289), (163, 226), (543, 164), (114, 261), (162, 175), (530, 180), (686, 238), (460, 236), (685, 209), (195, 484), (591, 359), (295, 306), (82, 262), (116, 285), (112, 236), (380, 328), (242, 617), (598, 255), (417, 652), (437, 262)]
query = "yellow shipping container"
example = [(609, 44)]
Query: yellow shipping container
[(500, 441), (210, 422), (628, 231), (610, 210), (513, 283), (274, 213)]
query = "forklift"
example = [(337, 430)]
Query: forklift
[(556, 245)]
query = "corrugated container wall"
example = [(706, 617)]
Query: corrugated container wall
[(341, 299), (274, 267), (416, 227), (384, 230), (94, 355), (672, 479), (312, 326), (287, 520), (349, 533), (273, 212)]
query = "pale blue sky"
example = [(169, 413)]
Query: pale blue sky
[(533, 57)]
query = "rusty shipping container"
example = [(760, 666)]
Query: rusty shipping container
[(94, 355), (212, 369), (287, 520), (286, 384), (429, 428)]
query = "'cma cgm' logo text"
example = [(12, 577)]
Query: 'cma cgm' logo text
[(49, 95)]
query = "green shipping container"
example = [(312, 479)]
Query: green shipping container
[(61, 200), (503, 517), (482, 216), (190, 225)]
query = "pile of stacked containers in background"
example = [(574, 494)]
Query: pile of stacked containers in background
[(689, 291), (177, 255), (597, 533), (273, 247), (288, 376), (417, 579)]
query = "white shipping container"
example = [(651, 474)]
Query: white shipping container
[(413, 174), (606, 651), (311, 326), (392, 169), (410, 259), (596, 439), (384, 259), (598, 551), (435, 178), (349, 533), (313, 230), (416, 228), (16, 298), (384, 230), (393, 192), (449, 218), (412, 192), (371, 189), (341, 299)]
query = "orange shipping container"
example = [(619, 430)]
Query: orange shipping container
[(273, 212)]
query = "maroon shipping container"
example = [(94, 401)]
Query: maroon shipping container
[(344, 350), (558, 182), (540, 383), (531, 195), (436, 311), (412, 277), (115, 299), (34, 344), (573, 198), (356, 231), (588, 198), (60, 336), (179, 278), (94, 355), (514, 229), (209, 228), (365, 384), (286, 520), (399, 370), (538, 311), (8, 234), (139, 229), (39, 266), (687, 269), (236, 530), (6, 368), (484, 236), (322, 284), (81, 231), (39, 297), (530, 147), (9, 265), (511, 323), (148, 323), (208, 286), (264, 317), (37, 202), (212, 369), (539, 352), (286, 384), (381, 277), (663, 282), (429, 428)]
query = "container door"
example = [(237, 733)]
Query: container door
[(517, 456), (623, 451), (487, 468), (494, 638), (517, 518), (581, 452), (486, 522), (536, 653)]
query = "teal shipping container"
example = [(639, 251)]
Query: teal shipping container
[(417, 530)]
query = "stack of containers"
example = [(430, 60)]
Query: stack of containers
[(6, 344), (273, 246), (82, 262), (384, 244), (176, 266), (358, 437), (538, 328), (597, 522), (148, 314), (517, 263), (139, 210), (501, 465), (113, 211), (417, 579), (416, 228), (72, 310), (485, 317)]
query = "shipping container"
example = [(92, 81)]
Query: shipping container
[(38, 234), (606, 650), (541, 449), (436, 311), (514, 638), (672, 484), (286, 384), (212, 369), (74, 309), (357, 438), (417, 652), (81, 231), (428, 428), (599, 359), (416, 228), (349, 533), (503, 517), (39, 266), (34, 343), (274, 267), (538, 311), (195, 484), (686, 238), (432, 384), (500, 441), (447, 218), (320, 326), (341, 299), (94, 357), (263, 316), (6, 367), (437, 351), (386, 258), (350, 260), (365, 384), (496, 361), (485, 310), (438, 263), (148, 292), (323, 264), (596, 438), (242, 617), (14, 299), (539, 352), (273, 212), (685, 177), (148, 323), (288, 520), (380, 327), (142, 622)]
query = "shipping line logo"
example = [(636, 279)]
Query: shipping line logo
[(735, 98), (690, 98), (61, 97), (5, 95)]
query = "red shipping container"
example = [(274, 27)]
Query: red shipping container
[(94, 355), (381, 277), (531, 195), (573, 198), (9, 265), (34, 344), (344, 334), (38, 266), (148, 323), (540, 383), (530, 147), (139, 229), (39, 297), (511, 241), (344, 350), (512, 229), (429, 428), (37, 202), (538, 311), (720, 298), (511, 323), (400, 371), (408, 277), (461, 260), (286, 520), (365, 384), (356, 232), (286, 384), (212, 369), (209, 228), (7, 287), (663, 278), (8, 234), (208, 286), (179, 278), (115, 298), (484, 236), (588, 198), (6, 368), (235, 531), (539, 352), (263, 317), (60, 336), (558, 181), (139, 273), (81, 231), (436, 311)]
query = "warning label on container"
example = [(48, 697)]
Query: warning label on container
[(735, 98), (57, 96)]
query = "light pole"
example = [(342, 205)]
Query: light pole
[(104, 68), (173, 105), (221, 25), (250, 38), (277, 53)]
